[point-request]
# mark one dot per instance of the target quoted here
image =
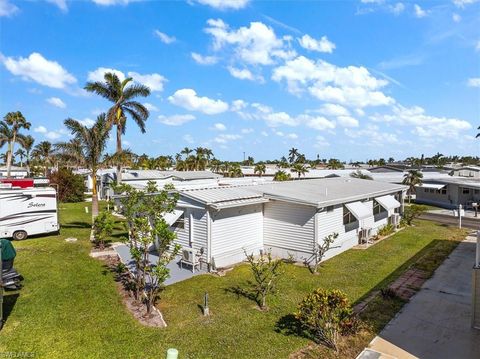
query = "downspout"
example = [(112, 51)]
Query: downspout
[(315, 230), (209, 237)]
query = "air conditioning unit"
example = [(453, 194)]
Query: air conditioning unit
[(395, 219), (364, 235)]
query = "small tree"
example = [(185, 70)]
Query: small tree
[(144, 211), (103, 228), (325, 314), (319, 251), (412, 212), (266, 272), (70, 187)]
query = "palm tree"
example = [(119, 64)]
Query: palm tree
[(44, 152), (334, 164), (281, 176), (360, 175), (93, 141), (16, 121), (293, 154), (28, 146), (478, 134), (122, 94), (412, 179), (186, 151), (20, 153), (260, 168), (299, 169)]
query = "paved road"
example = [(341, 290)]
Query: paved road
[(473, 223), (435, 324)]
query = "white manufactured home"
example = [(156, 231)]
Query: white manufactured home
[(287, 218)]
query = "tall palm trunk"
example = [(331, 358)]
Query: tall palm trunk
[(119, 150), (28, 164), (94, 195), (11, 146)]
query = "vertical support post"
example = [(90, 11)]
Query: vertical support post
[(477, 252), (206, 309), (459, 216)]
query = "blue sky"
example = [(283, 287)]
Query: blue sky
[(352, 79)]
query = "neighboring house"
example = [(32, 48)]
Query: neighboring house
[(467, 171), (387, 169), (449, 192), (286, 217), (15, 172)]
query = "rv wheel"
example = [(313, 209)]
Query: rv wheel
[(20, 235)]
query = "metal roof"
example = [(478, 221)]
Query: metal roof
[(314, 192), (458, 180)]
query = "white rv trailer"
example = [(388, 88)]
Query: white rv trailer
[(27, 211)]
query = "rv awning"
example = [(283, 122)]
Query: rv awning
[(431, 185), (172, 217), (388, 202), (359, 210)]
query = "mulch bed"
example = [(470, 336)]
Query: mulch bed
[(136, 308)]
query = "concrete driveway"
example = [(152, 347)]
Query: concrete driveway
[(435, 324)]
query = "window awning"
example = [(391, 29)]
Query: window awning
[(388, 202), (359, 210), (172, 217), (431, 185)]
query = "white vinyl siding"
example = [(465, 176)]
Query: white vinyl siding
[(199, 230), (289, 228), (235, 230)]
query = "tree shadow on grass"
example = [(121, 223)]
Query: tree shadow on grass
[(241, 292), (289, 325), (77, 225)]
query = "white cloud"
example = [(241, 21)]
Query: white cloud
[(321, 142), (372, 136), (164, 37), (7, 8), (204, 60), (238, 105), (244, 74), (224, 138), (292, 136), (264, 133), (150, 107), (175, 120), (219, 126), (419, 12), (112, 2), (61, 4), (463, 3), (347, 121), (253, 45), (153, 81), (224, 4), (317, 122), (188, 138), (474, 82), (422, 124), (247, 130), (322, 45), (57, 102), (456, 17), (331, 109), (39, 69), (99, 73), (188, 99), (350, 86), (87, 122), (397, 9), (40, 129), (274, 119)]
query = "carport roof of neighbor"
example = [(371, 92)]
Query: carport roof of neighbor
[(315, 192)]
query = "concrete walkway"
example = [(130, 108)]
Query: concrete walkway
[(435, 324)]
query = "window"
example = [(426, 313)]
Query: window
[(466, 190), (444, 191), (377, 208), (180, 222), (330, 209), (348, 217), (477, 191)]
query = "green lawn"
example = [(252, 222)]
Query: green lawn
[(69, 306)]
